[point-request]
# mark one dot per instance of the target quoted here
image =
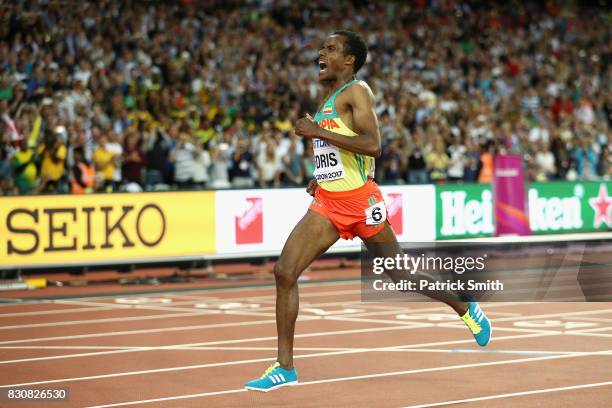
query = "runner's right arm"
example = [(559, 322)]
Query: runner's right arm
[(365, 124)]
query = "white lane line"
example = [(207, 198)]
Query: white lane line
[(559, 314), (178, 346), (204, 394), (140, 301), (461, 325), (144, 331), (514, 394), (173, 306), (168, 329), (410, 308), (173, 347), (209, 293), (358, 377), (67, 347), (188, 297), (356, 305), (487, 307), (169, 348), (529, 352), (239, 362), (69, 302), (254, 348), (433, 323), (144, 306), (307, 294), (57, 311), (348, 318), (589, 334), (248, 313), (108, 320), (600, 329), (60, 357), (593, 319)]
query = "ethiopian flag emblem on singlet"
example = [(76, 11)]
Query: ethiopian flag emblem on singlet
[(327, 109)]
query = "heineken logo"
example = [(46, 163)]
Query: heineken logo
[(554, 213), (462, 215), (602, 205), (552, 208)]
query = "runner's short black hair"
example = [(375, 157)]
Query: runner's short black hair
[(354, 45)]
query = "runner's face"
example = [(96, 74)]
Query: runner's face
[(332, 59)]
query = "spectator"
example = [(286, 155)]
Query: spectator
[(202, 164), (391, 161), (104, 162), (156, 158), (24, 170), (219, 169), (183, 157), (437, 162), (473, 163), (133, 161), (545, 162), (457, 161), (52, 155), (586, 160), (292, 161), (561, 155), (222, 73), (6, 154), (269, 167), (605, 163), (83, 174), (115, 146), (585, 113), (242, 162), (485, 174), (417, 168)]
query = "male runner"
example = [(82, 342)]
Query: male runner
[(347, 202)]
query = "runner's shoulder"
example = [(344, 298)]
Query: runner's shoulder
[(360, 90)]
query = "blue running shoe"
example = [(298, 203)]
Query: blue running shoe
[(274, 377), (478, 323)]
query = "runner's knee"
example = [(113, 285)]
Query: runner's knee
[(285, 274)]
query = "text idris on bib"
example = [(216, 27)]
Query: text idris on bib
[(327, 161)]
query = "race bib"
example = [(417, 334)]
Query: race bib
[(376, 214), (327, 161)]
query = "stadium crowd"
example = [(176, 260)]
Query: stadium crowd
[(114, 96)]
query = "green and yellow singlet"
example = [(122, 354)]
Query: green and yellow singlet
[(337, 169)]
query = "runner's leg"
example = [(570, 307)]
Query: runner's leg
[(390, 249), (310, 238)]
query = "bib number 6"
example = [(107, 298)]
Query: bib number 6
[(376, 214)]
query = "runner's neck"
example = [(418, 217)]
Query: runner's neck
[(338, 84)]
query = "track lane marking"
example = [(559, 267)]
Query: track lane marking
[(513, 394), (172, 347), (198, 312), (358, 377), (239, 362)]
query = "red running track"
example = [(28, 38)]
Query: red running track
[(196, 349)]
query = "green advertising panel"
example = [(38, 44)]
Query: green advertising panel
[(570, 207), (466, 211)]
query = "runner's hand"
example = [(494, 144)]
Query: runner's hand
[(312, 187), (307, 127)]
